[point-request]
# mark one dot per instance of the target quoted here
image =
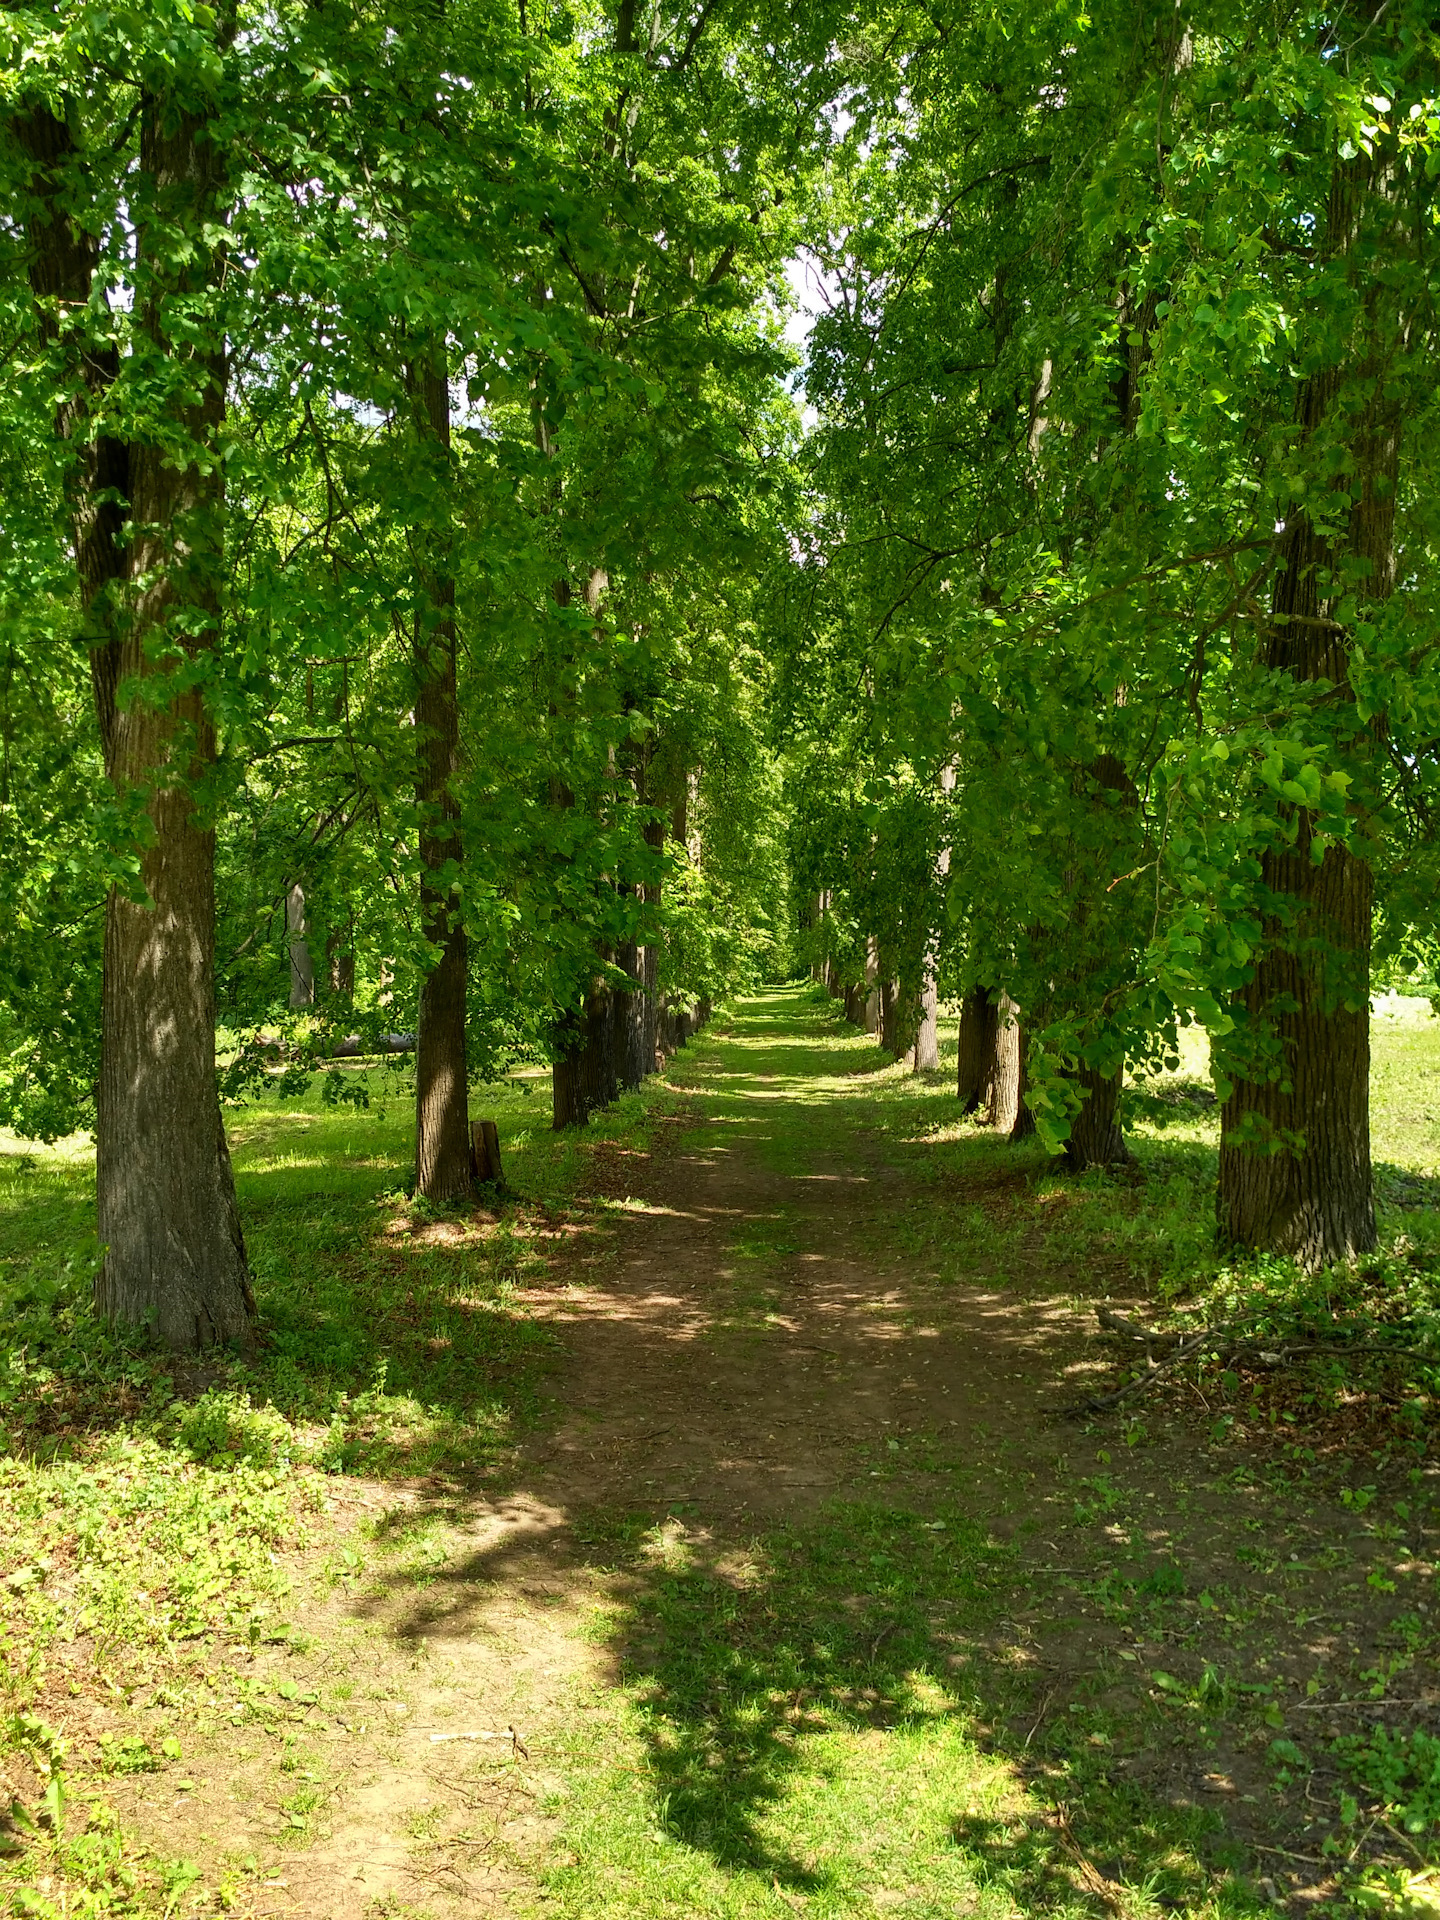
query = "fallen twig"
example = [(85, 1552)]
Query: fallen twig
[(1228, 1344), (481, 1733), (1097, 1403), (1038, 1718), (1095, 1881), (1408, 1845)]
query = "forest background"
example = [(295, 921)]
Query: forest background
[(443, 638), (428, 608)]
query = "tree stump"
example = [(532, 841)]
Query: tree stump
[(485, 1153)]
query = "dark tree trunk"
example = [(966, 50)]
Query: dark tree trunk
[(927, 1037), (64, 254), (1314, 1201), (1095, 1136), (583, 1077), (629, 1021), (1308, 1190), (899, 1019), (651, 1028), (340, 961), (485, 1162), (442, 1120), (174, 1254), (654, 832), (888, 995), (979, 1031), (855, 1003)]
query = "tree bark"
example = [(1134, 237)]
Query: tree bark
[(855, 994), (979, 1034), (1311, 1195), (442, 1120), (593, 1043), (899, 1019), (64, 254), (341, 965), (1295, 1170), (583, 1077), (872, 985), (654, 832), (629, 1018), (927, 1037), (1095, 1136), (888, 993), (174, 1254), (1006, 1110), (302, 971)]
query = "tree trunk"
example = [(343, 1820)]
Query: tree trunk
[(1313, 1198), (899, 1019), (888, 996), (302, 971), (979, 1033), (174, 1255), (341, 965), (583, 1077), (64, 253), (1295, 1171), (485, 1162), (927, 1038), (654, 833), (872, 985), (629, 1021), (1095, 1137), (442, 1120), (1006, 1110), (651, 1031), (855, 1003)]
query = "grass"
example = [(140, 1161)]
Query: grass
[(806, 1745), (955, 1689), (155, 1516), (823, 1726)]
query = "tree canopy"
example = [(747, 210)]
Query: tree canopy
[(441, 614)]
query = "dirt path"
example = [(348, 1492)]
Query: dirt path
[(739, 1344), (752, 1344), (729, 1352)]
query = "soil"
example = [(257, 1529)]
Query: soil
[(740, 1389)]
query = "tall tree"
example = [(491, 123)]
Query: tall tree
[(442, 1126), (174, 1256)]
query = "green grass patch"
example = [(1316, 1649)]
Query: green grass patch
[(818, 1720)]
